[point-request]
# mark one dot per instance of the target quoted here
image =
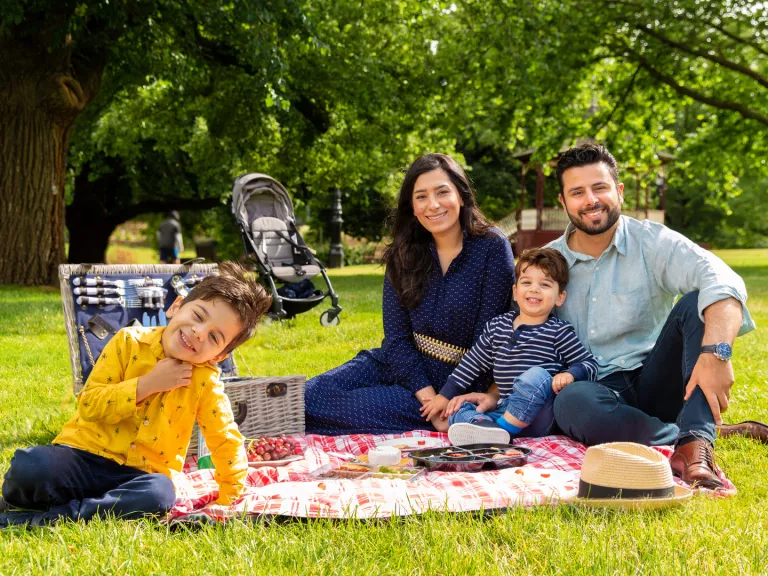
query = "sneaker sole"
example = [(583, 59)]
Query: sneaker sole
[(463, 433)]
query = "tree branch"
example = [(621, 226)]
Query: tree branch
[(226, 55), (636, 8), (698, 96), (735, 37), (621, 101), (724, 62)]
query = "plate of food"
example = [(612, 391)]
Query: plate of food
[(407, 444), (471, 458), (267, 451)]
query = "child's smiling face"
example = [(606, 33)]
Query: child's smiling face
[(536, 293), (199, 331)]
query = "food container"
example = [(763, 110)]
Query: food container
[(384, 456), (471, 458)]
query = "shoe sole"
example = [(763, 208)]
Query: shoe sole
[(463, 434), (708, 485)]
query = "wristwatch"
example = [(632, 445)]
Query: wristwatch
[(721, 350)]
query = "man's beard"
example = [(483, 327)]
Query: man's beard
[(595, 228)]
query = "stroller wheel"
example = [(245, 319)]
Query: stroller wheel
[(330, 318)]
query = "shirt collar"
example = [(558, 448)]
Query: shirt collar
[(153, 339), (619, 240)]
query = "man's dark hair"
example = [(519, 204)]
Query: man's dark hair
[(584, 155), (239, 288), (173, 214), (548, 260)]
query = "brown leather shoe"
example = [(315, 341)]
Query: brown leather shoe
[(748, 429), (695, 464)]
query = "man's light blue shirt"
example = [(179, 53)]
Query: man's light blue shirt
[(619, 302)]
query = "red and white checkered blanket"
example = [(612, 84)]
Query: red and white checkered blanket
[(550, 476)]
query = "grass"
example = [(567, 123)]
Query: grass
[(726, 536)]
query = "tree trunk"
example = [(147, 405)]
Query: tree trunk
[(32, 170), (39, 101)]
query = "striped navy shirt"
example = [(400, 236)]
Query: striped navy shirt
[(509, 352)]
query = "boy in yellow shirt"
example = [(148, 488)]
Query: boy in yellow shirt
[(135, 414)]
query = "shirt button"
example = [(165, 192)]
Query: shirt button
[(133, 446), (146, 421), (594, 299), (597, 268), (622, 361), (591, 331)]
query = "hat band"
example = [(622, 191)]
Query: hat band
[(587, 490)]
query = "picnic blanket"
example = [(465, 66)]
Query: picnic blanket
[(551, 476)]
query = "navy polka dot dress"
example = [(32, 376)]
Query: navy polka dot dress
[(374, 392)]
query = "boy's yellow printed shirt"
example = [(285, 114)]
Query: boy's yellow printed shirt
[(153, 436)]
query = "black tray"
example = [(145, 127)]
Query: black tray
[(475, 458)]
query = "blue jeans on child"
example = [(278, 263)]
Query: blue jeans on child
[(64, 482), (645, 405), (532, 401)]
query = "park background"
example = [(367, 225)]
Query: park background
[(114, 112)]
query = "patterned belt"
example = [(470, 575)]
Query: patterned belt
[(434, 348)]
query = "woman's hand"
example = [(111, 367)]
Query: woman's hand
[(483, 401), (434, 407)]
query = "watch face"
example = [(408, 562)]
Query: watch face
[(723, 351)]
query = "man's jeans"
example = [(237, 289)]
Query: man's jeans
[(64, 482), (531, 401), (643, 405)]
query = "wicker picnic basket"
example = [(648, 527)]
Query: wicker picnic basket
[(68, 271), (267, 406)]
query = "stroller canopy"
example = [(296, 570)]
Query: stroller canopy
[(258, 195)]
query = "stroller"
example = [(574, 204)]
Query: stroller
[(265, 214)]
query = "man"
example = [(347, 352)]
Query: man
[(664, 372), (169, 239)]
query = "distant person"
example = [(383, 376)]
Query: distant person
[(169, 238), (134, 418), (665, 371)]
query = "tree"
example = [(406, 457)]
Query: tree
[(55, 55), (337, 111)]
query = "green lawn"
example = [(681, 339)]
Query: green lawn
[(728, 536)]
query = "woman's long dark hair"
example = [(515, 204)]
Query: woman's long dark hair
[(408, 259)]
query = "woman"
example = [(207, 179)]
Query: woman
[(447, 273)]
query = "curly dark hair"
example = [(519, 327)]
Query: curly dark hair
[(584, 155), (408, 259), (240, 289), (548, 260)]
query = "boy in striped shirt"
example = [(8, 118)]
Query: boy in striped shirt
[(532, 355)]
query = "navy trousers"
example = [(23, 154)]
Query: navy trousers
[(645, 405), (60, 482)]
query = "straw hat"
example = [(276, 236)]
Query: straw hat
[(628, 475)]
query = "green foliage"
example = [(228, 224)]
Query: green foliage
[(688, 78), (329, 94)]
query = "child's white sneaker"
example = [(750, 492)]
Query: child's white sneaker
[(480, 432)]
